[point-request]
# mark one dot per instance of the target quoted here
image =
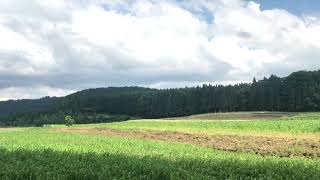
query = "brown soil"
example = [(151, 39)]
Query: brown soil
[(263, 145), (7, 129)]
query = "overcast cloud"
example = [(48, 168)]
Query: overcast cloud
[(55, 47)]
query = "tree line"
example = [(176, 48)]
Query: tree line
[(299, 91)]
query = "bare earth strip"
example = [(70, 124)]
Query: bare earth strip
[(7, 129), (263, 145)]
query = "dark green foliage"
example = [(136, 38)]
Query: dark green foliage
[(298, 92), (28, 105), (40, 119), (69, 121)]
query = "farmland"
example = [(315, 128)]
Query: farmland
[(261, 145)]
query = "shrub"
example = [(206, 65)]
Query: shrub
[(69, 121)]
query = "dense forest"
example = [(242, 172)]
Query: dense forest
[(300, 91)]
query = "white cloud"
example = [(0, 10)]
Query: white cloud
[(255, 41), (51, 46), (31, 92)]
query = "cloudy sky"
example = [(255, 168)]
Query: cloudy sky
[(55, 47)]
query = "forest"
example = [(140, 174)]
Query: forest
[(298, 92)]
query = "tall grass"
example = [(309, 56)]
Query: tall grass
[(40, 154), (291, 126)]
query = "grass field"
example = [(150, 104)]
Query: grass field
[(211, 146)]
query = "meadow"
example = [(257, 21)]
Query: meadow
[(211, 146)]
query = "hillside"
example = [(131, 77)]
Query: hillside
[(298, 92)]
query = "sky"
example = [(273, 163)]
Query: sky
[(297, 7), (56, 47)]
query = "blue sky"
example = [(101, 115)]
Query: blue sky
[(297, 7)]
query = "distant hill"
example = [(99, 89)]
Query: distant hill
[(13, 107), (299, 91)]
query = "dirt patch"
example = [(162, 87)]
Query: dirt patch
[(7, 129), (263, 145)]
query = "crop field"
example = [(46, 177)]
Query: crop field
[(258, 145)]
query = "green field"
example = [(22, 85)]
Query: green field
[(214, 146)]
